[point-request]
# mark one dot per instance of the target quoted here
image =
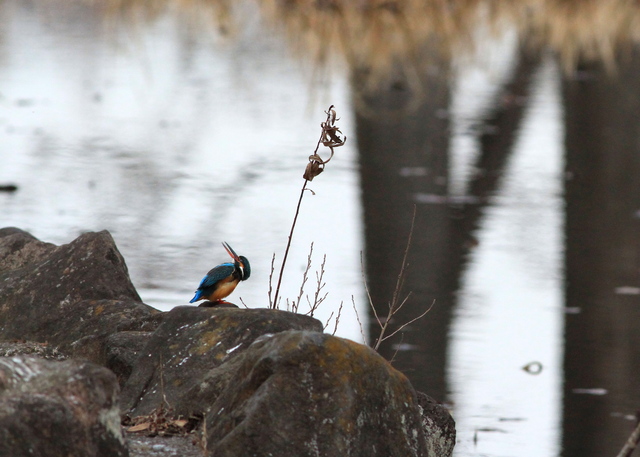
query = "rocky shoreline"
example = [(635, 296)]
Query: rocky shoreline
[(87, 369)]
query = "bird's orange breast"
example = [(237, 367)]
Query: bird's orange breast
[(225, 287)]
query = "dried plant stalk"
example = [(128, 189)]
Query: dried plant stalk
[(330, 138)]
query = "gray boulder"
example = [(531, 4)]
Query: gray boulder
[(270, 383), (53, 409), (72, 296), (310, 394), (189, 358)]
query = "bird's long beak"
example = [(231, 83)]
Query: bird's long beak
[(231, 252)]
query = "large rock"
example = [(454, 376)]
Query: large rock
[(123, 350), (309, 394), (53, 409), (189, 358), (72, 296)]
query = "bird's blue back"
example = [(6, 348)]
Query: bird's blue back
[(208, 283)]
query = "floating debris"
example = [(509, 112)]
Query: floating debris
[(413, 171), (595, 391), (572, 310), (405, 347), (8, 187), (533, 368), (435, 199), (627, 290)]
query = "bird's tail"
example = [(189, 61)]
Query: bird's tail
[(197, 296)]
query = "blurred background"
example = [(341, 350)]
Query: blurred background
[(512, 128)]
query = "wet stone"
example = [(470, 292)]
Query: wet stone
[(53, 409)]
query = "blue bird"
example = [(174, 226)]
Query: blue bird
[(223, 279)]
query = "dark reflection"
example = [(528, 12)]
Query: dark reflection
[(403, 151), (403, 138), (602, 192)]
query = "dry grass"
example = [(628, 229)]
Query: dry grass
[(381, 35), (590, 29)]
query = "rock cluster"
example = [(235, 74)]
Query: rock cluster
[(245, 382)]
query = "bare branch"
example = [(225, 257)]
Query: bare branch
[(305, 277), (328, 320), (401, 275), (410, 322), (632, 441), (398, 346), (366, 288), (317, 299), (335, 327), (393, 306), (399, 307), (353, 302), (273, 261)]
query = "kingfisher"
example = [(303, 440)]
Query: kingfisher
[(220, 281)]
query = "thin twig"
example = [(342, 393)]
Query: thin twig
[(410, 322), (273, 269), (324, 327), (203, 441), (355, 308), (401, 275), (366, 288), (399, 307), (305, 277), (164, 395), (383, 329), (398, 346), (335, 327), (632, 441), (317, 299)]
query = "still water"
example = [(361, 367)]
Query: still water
[(175, 135)]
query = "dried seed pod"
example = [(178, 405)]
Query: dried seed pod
[(313, 169)]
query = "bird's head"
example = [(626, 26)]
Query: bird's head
[(240, 262), (245, 267)]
